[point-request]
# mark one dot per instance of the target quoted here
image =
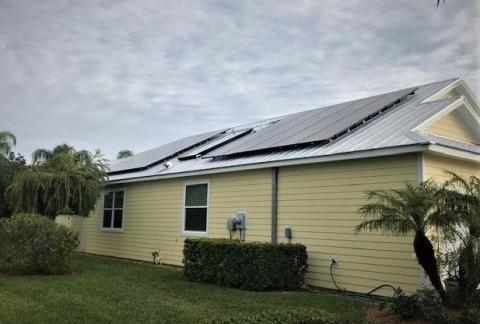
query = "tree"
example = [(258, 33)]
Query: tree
[(124, 154), (9, 167), (463, 202), (415, 210), (7, 142), (62, 181)]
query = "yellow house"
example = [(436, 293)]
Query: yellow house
[(307, 172)]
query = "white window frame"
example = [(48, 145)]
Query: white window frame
[(111, 228), (184, 196)]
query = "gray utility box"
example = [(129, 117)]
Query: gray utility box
[(241, 220), (237, 222)]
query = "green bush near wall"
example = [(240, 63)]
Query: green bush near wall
[(33, 244), (248, 266)]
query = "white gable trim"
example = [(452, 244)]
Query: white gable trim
[(473, 112), (435, 118), (442, 92), (461, 102), (455, 84)]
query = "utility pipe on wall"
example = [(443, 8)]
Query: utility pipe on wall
[(274, 204)]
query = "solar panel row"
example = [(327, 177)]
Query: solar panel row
[(148, 158), (312, 126)]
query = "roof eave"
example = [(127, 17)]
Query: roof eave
[(301, 161)]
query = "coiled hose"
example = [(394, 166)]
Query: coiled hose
[(395, 290)]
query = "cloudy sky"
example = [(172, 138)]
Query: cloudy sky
[(136, 74)]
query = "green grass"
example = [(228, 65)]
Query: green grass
[(104, 290)]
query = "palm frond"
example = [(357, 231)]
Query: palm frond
[(41, 155), (400, 211), (7, 142)]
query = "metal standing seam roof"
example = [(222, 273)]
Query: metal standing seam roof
[(313, 126), (394, 128)]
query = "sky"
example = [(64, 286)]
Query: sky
[(137, 74)]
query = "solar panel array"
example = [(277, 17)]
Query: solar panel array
[(215, 143), (313, 126), (151, 157)]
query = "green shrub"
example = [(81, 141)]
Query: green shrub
[(300, 316), (471, 311), (405, 306), (248, 266), (470, 315), (34, 244), (425, 304)]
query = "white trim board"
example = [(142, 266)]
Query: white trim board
[(442, 92)]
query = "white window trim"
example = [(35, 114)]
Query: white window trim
[(189, 183), (111, 229)]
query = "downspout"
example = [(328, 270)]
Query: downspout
[(274, 204)]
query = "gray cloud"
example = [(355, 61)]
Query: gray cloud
[(124, 74)]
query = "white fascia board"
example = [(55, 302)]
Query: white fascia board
[(474, 113), (440, 93), (469, 91), (320, 159)]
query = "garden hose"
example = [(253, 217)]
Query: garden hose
[(395, 290)]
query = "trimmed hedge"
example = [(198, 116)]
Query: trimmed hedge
[(248, 266)]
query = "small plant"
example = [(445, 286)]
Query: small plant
[(405, 306), (425, 304), (470, 315), (449, 262), (33, 244), (471, 310)]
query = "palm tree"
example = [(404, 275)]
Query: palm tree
[(85, 157), (7, 141), (415, 210), (463, 196), (41, 155), (124, 154)]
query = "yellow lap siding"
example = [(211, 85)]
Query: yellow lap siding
[(321, 203), (436, 165), (452, 126), (153, 215)]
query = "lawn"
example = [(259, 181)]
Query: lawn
[(105, 290)]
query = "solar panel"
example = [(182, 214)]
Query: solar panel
[(314, 126), (154, 156), (217, 142)]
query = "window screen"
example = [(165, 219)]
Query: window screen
[(196, 208), (113, 210)]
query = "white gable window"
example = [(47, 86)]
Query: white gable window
[(113, 210), (195, 209)]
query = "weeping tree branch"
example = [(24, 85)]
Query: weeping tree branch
[(61, 182)]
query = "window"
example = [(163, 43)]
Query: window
[(195, 208), (113, 210)]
